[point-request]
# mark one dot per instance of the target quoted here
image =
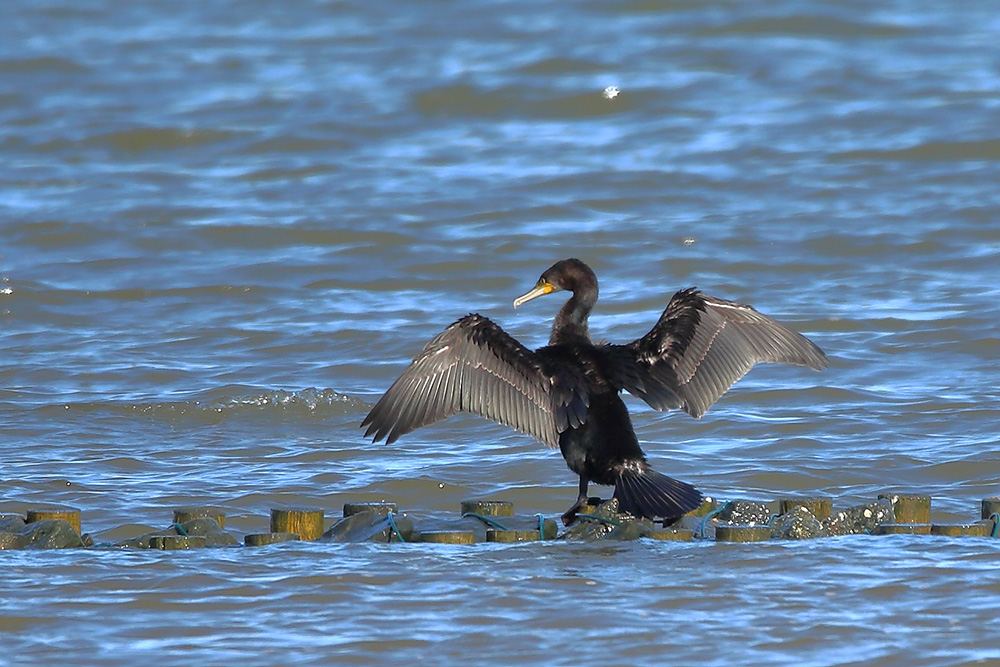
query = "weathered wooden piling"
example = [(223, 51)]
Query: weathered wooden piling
[(69, 514), (735, 521), (512, 536), (708, 505), (177, 542), (991, 506), (263, 539), (306, 522), (913, 509), (488, 507), (975, 529), (672, 534), (183, 514), (902, 529), (819, 506), (382, 509), (738, 533), (550, 529), (448, 537)]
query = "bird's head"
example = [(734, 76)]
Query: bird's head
[(567, 274)]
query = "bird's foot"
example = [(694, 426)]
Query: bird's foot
[(569, 517)]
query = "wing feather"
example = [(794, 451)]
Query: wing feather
[(702, 345), (472, 366)]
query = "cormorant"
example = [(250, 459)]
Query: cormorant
[(566, 394)]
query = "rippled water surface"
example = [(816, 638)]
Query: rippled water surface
[(226, 227)]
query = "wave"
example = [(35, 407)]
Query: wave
[(224, 403)]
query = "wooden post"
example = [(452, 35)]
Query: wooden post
[(707, 505), (991, 506), (488, 507), (820, 506), (672, 534), (730, 533), (550, 529), (909, 508), (70, 514), (263, 539), (449, 537), (306, 522), (512, 535), (184, 514), (977, 529), (902, 529), (177, 542)]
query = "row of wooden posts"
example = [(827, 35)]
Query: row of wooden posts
[(912, 515)]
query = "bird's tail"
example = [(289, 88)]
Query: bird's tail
[(644, 492)]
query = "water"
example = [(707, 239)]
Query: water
[(225, 228)]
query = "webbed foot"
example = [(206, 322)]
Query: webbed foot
[(569, 517)]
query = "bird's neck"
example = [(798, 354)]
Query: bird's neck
[(571, 322)]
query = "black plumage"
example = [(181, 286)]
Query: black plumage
[(566, 394)]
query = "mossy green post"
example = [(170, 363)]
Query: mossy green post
[(550, 529), (184, 514), (449, 537), (68, 514), (671, 535), (512, 536), (991, 506), (977, 529), (488, 507), (707, 505), (819, 506), (263, 539), (306, 522), (730, 533), (177, 542), (902, 529), (909, 508)]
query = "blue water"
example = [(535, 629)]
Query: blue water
[(226, 228)]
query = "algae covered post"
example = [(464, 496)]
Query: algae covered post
[(306, 522), (69, 514)]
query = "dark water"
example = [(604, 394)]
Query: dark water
[(225, 228)]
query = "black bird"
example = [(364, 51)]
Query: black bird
[(566, 394)]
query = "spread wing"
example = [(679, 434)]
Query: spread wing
[(702, 345), (475, 366)]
